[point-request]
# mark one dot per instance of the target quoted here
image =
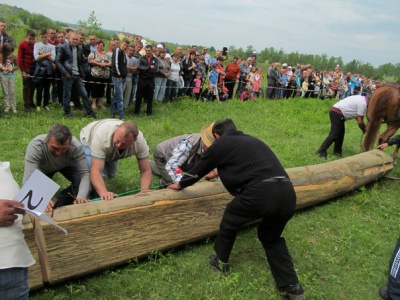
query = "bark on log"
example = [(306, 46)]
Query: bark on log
[(104, 234)]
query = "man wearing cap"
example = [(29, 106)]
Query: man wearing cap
[(352, 107), (252, 173), (181, 153)]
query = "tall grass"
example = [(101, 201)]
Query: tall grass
[(340, 249)]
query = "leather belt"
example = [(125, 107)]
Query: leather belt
[(336, 110), (277, 179)]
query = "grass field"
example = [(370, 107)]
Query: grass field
[(341, 249)]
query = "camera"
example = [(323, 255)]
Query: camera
[(224, 53)]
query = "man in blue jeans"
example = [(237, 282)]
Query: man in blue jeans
[(119, 72), (70, 64)]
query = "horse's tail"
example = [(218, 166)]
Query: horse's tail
[(377, 110)]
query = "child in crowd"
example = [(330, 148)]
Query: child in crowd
[(44, 54), (338, 89), (246, 95), (317, 87), (197, 85), (212, 83), (257, 83), (291, 88), (223, 93), (304, 87), (8, 66)]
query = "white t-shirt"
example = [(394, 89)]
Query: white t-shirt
[(14, 252), (352, 107), (99, 137)]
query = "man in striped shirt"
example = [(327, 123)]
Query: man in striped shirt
[(180, 153)]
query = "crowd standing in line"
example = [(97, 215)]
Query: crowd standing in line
[(135, 72)]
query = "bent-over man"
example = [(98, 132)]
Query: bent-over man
[(107, 141), (252, 173), (59, 151), (352, 107), (181, 153)]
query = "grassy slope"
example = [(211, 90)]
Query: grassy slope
[(341, 249)]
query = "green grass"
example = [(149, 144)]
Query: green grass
[(341, 248)]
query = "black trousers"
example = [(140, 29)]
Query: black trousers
[(67, 195), (145, 91), (271, 90), (394, 274), (274, 203), (230, 85), (336, 135)]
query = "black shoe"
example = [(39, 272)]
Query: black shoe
[(293, 291), (383, 292), (218, 265), (338, 154), (322, 154), (92, 116), (68, 116)]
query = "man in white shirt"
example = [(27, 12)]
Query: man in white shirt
[(352, 107), (107, 141)]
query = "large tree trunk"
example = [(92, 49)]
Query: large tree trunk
[(108, 233)]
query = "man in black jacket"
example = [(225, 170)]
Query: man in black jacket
[(252, 173), (148, 67), (4, 37), (119, 71), (69, 63)]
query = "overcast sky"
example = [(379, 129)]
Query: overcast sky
[(365, 30)]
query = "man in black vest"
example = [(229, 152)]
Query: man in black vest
[(119, 71)]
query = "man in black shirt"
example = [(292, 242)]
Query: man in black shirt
[(252, 173)]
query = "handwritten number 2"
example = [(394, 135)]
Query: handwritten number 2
[(30, 205)]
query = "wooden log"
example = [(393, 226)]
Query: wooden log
[(104, 234)]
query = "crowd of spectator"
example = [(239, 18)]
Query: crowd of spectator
[(64, 67), (287, 82)]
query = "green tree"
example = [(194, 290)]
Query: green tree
[(91, 26)]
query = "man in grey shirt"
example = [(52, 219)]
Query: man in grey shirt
[(59, 151)]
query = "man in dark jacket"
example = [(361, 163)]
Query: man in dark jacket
[(148, 67), (273, 80), (4, 37), (118, 74), (252, 173), (69, 63)]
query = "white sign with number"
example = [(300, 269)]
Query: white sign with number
[(36, 194)]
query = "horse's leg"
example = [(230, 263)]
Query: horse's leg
[(389, 132)]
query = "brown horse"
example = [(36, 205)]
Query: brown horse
[(383, 107)]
